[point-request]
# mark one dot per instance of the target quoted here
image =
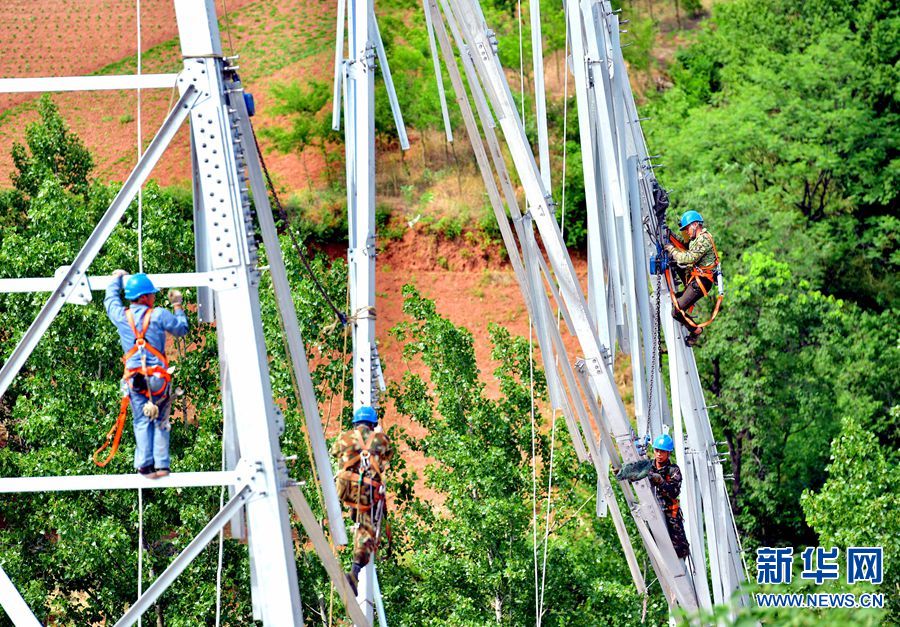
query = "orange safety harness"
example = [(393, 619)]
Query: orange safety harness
[(365, 461), (142, 347), (674, 506), (697, 274)]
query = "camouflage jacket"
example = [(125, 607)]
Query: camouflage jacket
[(667, 492), (700, 252), (350, 443)]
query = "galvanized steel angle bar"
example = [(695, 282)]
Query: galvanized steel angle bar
[(98, 237), (324, 551), (388, 82), (16, 608), (293, 336), (177, 566), (532, 288)]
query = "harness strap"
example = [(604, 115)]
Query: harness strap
[(373, 462), (113, 436), (140, 345), (697, 273), (356, 477)]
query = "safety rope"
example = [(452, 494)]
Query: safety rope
[(558, 324), (534, 515), (140, 146), (140, 581), (227, 26), (140, 241), (285, 221)]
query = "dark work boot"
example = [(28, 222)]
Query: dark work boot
[(691, 338), (353, 576)]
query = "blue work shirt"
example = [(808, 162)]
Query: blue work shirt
[(161, 320)]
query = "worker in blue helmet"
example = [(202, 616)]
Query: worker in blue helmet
[(146, 381), (665, 476), (364, 453), (696, 261)]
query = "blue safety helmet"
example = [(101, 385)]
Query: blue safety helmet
[(689, 218), (365, 414), (137, 285), (663, 442)]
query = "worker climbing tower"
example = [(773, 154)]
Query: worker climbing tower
[(226, 170), (624, 219), (354, 86)]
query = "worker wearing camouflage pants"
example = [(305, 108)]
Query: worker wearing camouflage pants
[(364, 453), (665, 477)]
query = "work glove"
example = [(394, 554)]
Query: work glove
[(670, 249), (655, 478), (118, 274), (175, 298), (634, 471)]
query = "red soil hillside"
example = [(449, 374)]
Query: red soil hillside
[(279, 41)]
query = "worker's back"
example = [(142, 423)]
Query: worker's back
[(363, 454)]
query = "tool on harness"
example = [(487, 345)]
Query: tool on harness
[(641, 444), (659, 262), (137, 379), (711, 273)]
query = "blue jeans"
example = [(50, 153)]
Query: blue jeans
[(151, 439)]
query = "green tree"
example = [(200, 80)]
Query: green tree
[(857, 506), (53, 150), (471, 560), (310, 121)]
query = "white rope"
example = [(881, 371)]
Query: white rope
[(521, 65), (534, 513), (558, 321), (140, 581), (534, 507), (139, 147)]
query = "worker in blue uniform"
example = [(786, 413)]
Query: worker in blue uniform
[(142, 331)]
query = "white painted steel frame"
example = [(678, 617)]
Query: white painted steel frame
[(227, 255), (212, 280), (68, 483), (358, 81), (100, 234), (288, 314), (177, 566), (86, 83), (14, 605), (648, 513)]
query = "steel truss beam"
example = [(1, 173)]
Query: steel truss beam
[(225, 167), (16, 608), (183, 560), (118, 482), (614, 421), (619, 175), (221, 279), (97, 238), (86, 83)]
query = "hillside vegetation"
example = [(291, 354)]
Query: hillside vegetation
[(778, 121)]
